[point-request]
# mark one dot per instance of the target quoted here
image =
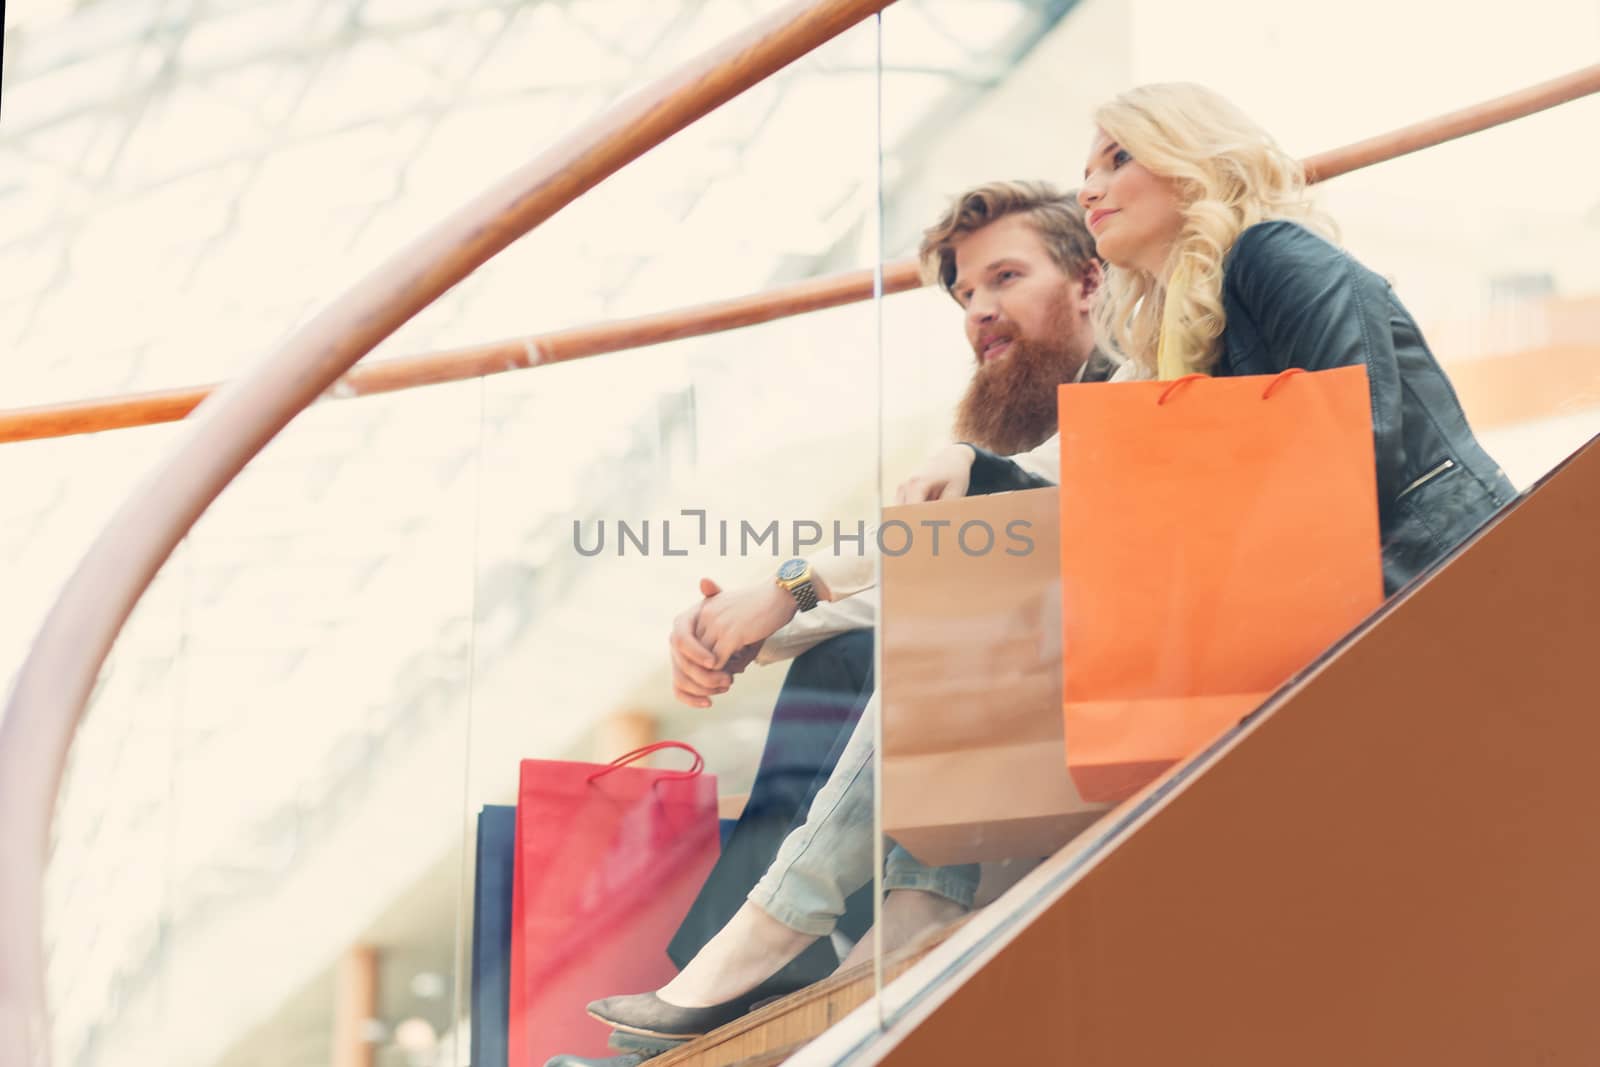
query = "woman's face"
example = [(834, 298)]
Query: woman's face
[(1134, 215)]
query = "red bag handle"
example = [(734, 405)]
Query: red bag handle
[(640, 753), (1272, 386), (1266, 393), (1176, 383)]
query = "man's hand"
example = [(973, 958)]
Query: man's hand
[(944, 476), (695, 678), (699, 670), (733, 625)]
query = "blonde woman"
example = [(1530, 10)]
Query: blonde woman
[(1219, 265)]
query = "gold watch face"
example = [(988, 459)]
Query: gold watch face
[(792, 571)]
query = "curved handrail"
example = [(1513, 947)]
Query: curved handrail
[(144, 409), (52, 688)]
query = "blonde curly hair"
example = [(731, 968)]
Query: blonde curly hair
[(1230, 174)]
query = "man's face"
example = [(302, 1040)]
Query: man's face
[(1013, 291), (1028, 324)]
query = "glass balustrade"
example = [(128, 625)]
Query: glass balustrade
[(1038, 690), (345, 789)]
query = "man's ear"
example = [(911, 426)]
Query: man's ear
[(1091, 278), (1090, 281)]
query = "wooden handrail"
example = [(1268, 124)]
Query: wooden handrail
[(50, 692), (496, 357), (1434, 131), (143, 409)]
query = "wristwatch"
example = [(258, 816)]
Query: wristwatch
[(795, 576)]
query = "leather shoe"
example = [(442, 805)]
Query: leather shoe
[(623, 1041), (649, 1015)]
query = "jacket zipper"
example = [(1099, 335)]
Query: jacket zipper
[(1428, 477)]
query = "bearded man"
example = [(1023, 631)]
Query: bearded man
[(1029, 328), (1018, 259)]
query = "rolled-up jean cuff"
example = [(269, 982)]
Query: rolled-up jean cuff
[(794, 918), (956, 884)]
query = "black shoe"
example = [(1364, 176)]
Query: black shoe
[(650, 1016), (631, 1059), (644, 1046)]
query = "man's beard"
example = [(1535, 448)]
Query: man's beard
[(1010, 406)]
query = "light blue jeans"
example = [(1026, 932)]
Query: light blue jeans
[(829, 856)]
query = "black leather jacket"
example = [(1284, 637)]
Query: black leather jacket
[(1294, 300)]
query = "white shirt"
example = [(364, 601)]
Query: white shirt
[(851, 579)]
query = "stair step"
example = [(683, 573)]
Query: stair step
[(774, 1033), (771, 1059)]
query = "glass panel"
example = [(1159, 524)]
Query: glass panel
[(269, 781), (613, 487), (330, 679), (313, 650), (1488, 252), (109, 887)]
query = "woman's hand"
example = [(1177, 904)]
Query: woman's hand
[(942, 477)]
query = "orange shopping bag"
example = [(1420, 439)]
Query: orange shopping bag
[(1216, 536)]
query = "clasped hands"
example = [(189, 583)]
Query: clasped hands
[(720, 636)]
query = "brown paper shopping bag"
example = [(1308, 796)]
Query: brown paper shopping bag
[(971, 683), (1217, 535)]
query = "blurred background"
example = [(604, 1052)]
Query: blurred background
[(347, 657)]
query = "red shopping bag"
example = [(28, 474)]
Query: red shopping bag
[(608, 860), (1216, 536)]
